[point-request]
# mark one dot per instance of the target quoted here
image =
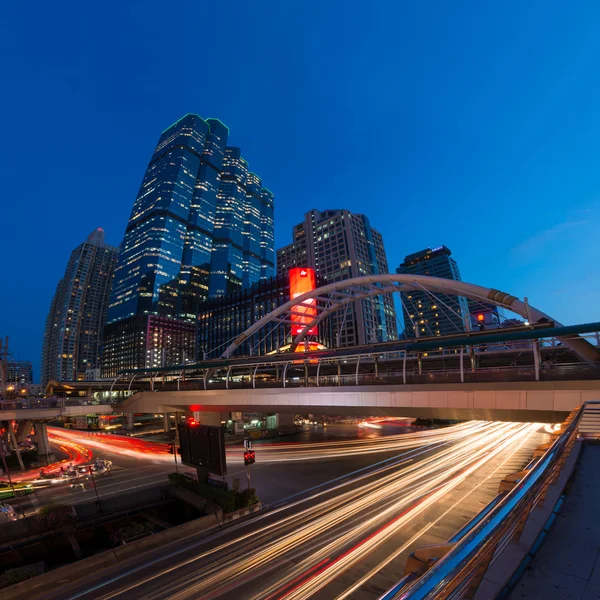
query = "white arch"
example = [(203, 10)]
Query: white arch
[(353, 290)]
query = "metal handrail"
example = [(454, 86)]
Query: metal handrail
[(454, 570)]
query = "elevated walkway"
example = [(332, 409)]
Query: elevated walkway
[(50, 408), (567, 565), (541, 401)]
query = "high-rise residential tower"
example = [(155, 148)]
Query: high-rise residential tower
[(339, 245), (201, 226), (431, 315), (73, 334)]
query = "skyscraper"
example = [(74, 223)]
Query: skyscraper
[(73, 333), (426, 314), (201, 226), (243, 251), (340, 245)]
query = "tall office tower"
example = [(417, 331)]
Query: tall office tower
[(339, 245), (243, 235), (426, 314), (197, 229), (73, 334)]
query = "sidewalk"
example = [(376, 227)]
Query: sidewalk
[(567, 566)]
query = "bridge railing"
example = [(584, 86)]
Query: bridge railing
[(364, 374), (547, 359), (461, 568)]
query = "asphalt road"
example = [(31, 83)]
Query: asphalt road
[(285, 466), (347, 538)]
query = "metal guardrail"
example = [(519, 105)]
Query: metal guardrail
[(459, 572), (312, 376)]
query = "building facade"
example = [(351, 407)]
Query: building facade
[(426, 314), (201, 226), (147, 341), (340, 245), (75, 322), (222, 319), (19, 373)]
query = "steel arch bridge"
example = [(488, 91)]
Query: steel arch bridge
[(335, 296)]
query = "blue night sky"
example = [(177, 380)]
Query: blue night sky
[(470, 124)]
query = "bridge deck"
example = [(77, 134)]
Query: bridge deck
[(568, 563)]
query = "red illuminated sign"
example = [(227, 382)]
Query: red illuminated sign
[(303, 280)]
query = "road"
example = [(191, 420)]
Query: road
[(346, 538), (338, 449)]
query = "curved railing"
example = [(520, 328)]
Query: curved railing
[(458, 573)]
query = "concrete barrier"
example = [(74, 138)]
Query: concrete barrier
[(82, 569), (29, 589), (172, 534), (241, 512), (78, 571)]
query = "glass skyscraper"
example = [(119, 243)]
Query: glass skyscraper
[(339, 245), (73, 333), (426, 315), (201, 226)]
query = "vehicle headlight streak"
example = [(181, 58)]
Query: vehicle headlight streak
[(401, 493)]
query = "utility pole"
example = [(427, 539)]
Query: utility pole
[(13, 439), (91, 470), (12, 487), (249, 458), (3, 366)]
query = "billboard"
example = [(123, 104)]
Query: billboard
[(203, 446), (302, 280)]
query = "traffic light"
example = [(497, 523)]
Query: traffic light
[(171, 448), (249, 457), (481, 322)]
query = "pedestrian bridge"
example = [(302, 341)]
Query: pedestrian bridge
[(519, 374), (531, 401), (37, 409)]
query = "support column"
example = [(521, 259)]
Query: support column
[(129, 421), (167, 422), (23, 430), (44, 452), (207, 418), (177, 421)]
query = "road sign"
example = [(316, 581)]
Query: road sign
[(247, 444)]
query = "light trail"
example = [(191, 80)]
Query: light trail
[(78, 454), (270, 453), (310, 543)]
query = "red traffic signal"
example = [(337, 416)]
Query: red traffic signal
[(249, 457), (480, 317)]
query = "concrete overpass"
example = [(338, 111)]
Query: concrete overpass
[(524, 374), (542, 401), (49, 408), (35, 413)]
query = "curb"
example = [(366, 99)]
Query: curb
[(242, 512)]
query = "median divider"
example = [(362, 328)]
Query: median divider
[(241, 512)]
